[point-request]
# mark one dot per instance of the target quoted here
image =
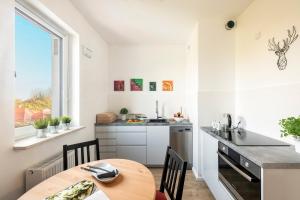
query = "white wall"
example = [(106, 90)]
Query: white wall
[(216, 70), (92, 78), (152, 63), (265, 94), (191, 93), (216, 91)]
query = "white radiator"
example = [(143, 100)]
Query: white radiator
[(46, 169)]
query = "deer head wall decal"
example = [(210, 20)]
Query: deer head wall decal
[(281, 51)]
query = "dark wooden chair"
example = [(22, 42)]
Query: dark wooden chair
[(173, 176), (81, 146)]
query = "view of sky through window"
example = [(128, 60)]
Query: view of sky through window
[(33, 53)]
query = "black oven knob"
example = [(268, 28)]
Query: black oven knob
[(246, 164)]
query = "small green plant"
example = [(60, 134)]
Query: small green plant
[(290, 126), (66, 119), (54, 121), (41, 124), (124, 111)]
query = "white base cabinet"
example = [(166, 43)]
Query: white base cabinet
[(144, 144), (136, 153), (158, 139), (210, 167)]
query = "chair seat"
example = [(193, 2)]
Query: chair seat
[(160, 196)]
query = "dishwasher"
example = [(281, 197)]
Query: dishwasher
[(181, 141)]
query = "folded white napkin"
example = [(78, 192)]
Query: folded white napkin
[(99, 195)]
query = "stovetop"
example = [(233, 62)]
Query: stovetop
[(248, 138)]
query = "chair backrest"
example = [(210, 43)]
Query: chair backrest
[(80, 146), (173, 175)]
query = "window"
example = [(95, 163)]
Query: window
[(39, 84)]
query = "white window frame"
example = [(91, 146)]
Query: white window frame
[(47, 24)]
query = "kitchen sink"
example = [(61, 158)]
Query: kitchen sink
[(159, 120)]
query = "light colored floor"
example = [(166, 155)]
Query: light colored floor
[(193, 190)]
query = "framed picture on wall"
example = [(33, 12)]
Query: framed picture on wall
[(136, 84), (119, 85), (167, 85), (152, 86)]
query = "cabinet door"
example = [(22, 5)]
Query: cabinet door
[(210, 167), (136, 153), (131, 129), (131, 138), (157, 142), (107, 155), (210, 159), (105, 129)]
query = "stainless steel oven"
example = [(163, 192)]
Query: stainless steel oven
[(238, 174)]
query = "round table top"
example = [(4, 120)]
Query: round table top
[(135, 182)]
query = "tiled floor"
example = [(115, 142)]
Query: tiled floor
[(192, 189)]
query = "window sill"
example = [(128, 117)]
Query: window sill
[(33, 141)]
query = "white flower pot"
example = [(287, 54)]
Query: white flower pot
[(123, 117), (41, 133), (296, 142), (296, 138), (66, 126), (53, 129)]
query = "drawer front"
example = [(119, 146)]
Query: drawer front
[(108, 148), (108, 135), (131, 138), (104, 129), (108, 155), (107, 142), (136, 153), (131, 129)]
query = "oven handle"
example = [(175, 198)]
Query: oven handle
[(246, 176)]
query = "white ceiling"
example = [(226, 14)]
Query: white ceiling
[(153, 21)]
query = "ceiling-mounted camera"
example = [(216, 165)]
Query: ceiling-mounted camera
[(230, 25)]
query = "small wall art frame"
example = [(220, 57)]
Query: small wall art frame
[(119, 85), (167, 85), (136, 84), (152, 86)]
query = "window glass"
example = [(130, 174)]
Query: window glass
[(34, 73)]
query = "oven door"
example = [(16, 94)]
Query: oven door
[(240, 183)]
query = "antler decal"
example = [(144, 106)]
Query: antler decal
[(281, 51)]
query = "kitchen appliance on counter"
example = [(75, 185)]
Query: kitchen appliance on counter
[(181, 140), (239, 175)]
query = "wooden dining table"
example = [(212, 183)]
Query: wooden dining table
[(135, 182)]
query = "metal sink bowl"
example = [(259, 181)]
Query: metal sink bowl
[(159, 120)]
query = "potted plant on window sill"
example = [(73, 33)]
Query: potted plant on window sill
[(291, 127), (41, 126), (123, 113), (66, 122), (53, 125)]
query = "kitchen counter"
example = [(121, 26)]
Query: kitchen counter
[(267, 157), (125, 123)]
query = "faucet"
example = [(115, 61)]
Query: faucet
[(156, 109), (237, 126)]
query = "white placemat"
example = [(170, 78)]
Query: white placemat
[(97, 196)]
